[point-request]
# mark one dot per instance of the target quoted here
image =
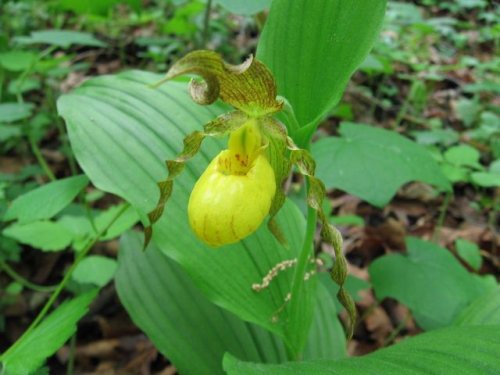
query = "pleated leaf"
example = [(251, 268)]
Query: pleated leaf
[(122, 131), (326, 337), (183, 324), (484, 310), (163, 301), (313, 46), (456, 350)]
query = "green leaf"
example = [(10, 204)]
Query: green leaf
[(314, 46), (10, 112), (96, 270), (486, 179), (429, 280), (31, 351), (164, 302), (95, 7), (347, 220), (20, 86), (436, 136), (17, 61), (373, 163), (43, 235), (483, 311), (245, 7), (469, 252), (82, 230), (326, 337), (463, 155), (61, 38), (456, 350), (9, 131), (121, 131), (183, 324), (45, 201), (454, 173), (122, 224)]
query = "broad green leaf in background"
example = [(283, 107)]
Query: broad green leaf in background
[(29, 354), (455, 350), (445, 137), (183, 324), (45, 201), (245, 7), (430, 281), (20, 86), (314, 46), (485, 179), (10, 112), (122, 131), (17, 61), (490, 178), (44, 235), (96, 270), (373, 163), (469, 252), (61, 38), (483, 311)]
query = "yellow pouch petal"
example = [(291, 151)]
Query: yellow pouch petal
[(224, 208)]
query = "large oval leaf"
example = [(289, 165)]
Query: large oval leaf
[(187, 328), (121, 132), (430, 281), (373, 163), (483, 311), (457, 351), (313, 47), (163, 301)]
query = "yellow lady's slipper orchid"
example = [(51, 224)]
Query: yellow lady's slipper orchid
[(234, 194), (241, 186)]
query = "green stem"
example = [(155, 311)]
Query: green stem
[(63, 137), (442, 214), (302, 261), (206, 24), (41, 160), (402, 112), (81, 255), (21, 280), (71, 359), (396, 331)]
